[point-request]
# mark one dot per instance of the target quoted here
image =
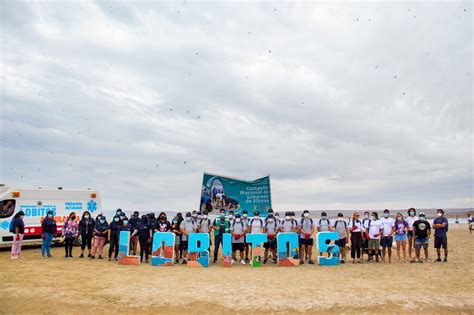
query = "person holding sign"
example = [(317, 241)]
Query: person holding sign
[(221, 225), (271, 228), (186, 227), (306, 231), (238, 231)]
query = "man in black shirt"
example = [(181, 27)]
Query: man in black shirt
[(422, 232)]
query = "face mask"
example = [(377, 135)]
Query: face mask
[(287, 217), (245, 215), (412, 214), (50, 216), (175, 222), (116, 219), (366, 216), (73, 217), (340, 218), (292, 216), (399, 218), (306, 215), (122, 217), (440, 214), (385, 215), (204, 216), (256, 216), (231, 216), (373, 218), (162, 218), (194, 215), (277, 217), (188, 219), (270, 220), (118, 213), (422, 218), (237, 220), (86, 216), (222, 215), (102, 221), (323, 217), (125, 222)]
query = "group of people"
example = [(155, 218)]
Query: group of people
[(357, 235)]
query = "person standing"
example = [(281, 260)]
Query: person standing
[(101, 229), (48, 230), (177, 238), (221, 225), (134, 221), (162, 224), (388, 225), (422, 233), (357, 230), (143, 231), (18, 230), (186, 227), (113, 237), (238, 231), (86, 228), (375, 229), (271, 229), (306, 230), (342, 229), (69, 232), (440, 225), (410, 239), (246, 221), (401, 227)]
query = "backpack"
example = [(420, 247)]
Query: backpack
[(310, 220), (261, 222), (345, 224), (321, 220), (12, 225), (241, 223), (274, 221), (363, 222)]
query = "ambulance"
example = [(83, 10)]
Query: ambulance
[(36, 202)]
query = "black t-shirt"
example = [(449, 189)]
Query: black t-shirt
[(421, 228), (162, 226)]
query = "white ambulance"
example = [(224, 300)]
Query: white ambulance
[(36, 202)]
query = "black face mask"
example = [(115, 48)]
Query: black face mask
[(73, 217), (162, 218)]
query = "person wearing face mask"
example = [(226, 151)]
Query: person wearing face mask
[(357, 230), (48, 230), (231, 217), (101, 229), (422, 233), (17, 227), (410, 220), (204, 224), (220, 225), (194, 217), (287, 225), (401, 227), (323, 225), (118, 213), (388, 225), (69, 232), (144, 231), (271, 229), (440, 225), (113, 237), (162, 224), (246, 221), (306, 230), (86, 228), (134, 221), (375, 229), (177, 237), (238, 231), (179, 217), (295, 221), (365, 234), (341, 227), (187, 227)]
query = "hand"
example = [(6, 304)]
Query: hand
[(306, 236), (17, 237)]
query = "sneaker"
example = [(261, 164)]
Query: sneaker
[(70, 256), (81, 256), (177, 261), (343, 261), (445, 259), (242, 262), (93, 257), (265, 261), (90, 255), (438, 260), (310, 262), (184, 262), (377, 260), (247, 260), (49, 256), (274, 260), (301, 262), (100, 257), (110, 259), (232, 261), (146, 261), (14, 257)]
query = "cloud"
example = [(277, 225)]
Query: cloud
[(345, 105)]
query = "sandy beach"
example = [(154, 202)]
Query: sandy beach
[(36, 285)]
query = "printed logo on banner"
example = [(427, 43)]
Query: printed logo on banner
[(35, 211), (92, 206)]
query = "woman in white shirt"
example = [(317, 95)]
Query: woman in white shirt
[(356, 228), (410, 220)]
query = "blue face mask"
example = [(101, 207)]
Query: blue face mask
[(125, 222), (174, 221), (102, 221), (50, 215), (385, 215), (222, 215)]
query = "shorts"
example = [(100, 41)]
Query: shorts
[(270, 244), (410, 233), (373, 244), (401, 238), (184, 245), (238, 247), (177, 239), (387, 241), (441, 241), (308, 242), (341, 242), (421, 242)]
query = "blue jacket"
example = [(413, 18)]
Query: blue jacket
[(48, 226), (102, 228)]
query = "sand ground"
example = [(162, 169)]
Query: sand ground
[(36, 285)]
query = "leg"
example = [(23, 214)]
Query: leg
[(83, 244), (89, 244), (217, 241), (404, 249), (96, 245), (410, 245)]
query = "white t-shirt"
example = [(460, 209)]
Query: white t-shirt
[(255, 225), (388, 224), (324, 224), (287, 225), (410, 221), (374, 228), (356, 226)]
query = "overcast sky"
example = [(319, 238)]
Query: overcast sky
[(345, 105)]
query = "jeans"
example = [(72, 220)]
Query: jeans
[(68, 243), (217, 241), (46, 245)]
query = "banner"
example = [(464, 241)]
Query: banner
[(219, 192)]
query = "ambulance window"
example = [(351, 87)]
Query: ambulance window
[(7, 207)]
